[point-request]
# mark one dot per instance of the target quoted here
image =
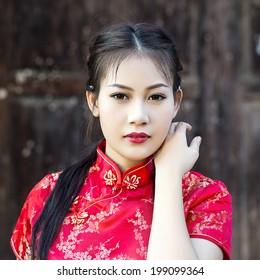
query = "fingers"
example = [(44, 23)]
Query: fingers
[(195, 143), (180, 127), (183, 127)]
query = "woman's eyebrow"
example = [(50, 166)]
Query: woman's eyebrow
[(121, 86), (131, 89), (157, 86)]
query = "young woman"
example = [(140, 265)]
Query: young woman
[(132, 195)]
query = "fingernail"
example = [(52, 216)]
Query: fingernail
[(199, 139)]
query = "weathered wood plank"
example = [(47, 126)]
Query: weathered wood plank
[(46, 137)]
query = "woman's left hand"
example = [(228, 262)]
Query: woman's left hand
[(175, 152)]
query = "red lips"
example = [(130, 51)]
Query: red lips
[(136, 137)]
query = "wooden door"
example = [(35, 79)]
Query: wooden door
[(42, 103)]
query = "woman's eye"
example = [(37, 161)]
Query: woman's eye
[(157, 97), (120, 96)]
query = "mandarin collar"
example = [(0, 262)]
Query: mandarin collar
[(133, 178)]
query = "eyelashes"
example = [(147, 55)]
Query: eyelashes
[(124, 96), (157, 97), (119, 96)]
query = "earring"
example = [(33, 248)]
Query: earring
[(89, 87)]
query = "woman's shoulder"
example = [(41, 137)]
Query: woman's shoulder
[(43, 188), (47, 182), (31, 209), (208, 210), (195, 182)]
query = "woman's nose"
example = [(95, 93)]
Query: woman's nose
[(138, 114)]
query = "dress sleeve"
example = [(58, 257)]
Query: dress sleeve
[(21, 236), (208, 210)]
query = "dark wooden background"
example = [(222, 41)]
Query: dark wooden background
[(42, 105)]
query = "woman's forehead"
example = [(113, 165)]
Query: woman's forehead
[(136, 63)]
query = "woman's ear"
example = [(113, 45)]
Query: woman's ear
[(92, 103), (177, 100)]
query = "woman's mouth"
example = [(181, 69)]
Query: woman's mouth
[(137, 138)]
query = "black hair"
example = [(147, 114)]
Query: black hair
[(108, 48)]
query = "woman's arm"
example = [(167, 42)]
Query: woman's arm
[(169, 238)]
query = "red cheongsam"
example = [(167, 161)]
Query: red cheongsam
[(111, 217)]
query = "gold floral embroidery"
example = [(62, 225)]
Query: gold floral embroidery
[(48, 182), (94, 168), (24, 249), (140, 225), (79, 216), (109, 178), (101, 251), (213, 221), (55, 176), (132, 182)]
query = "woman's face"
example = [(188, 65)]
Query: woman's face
[(136, 107)]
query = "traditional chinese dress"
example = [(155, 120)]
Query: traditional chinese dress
[(112, 215)]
